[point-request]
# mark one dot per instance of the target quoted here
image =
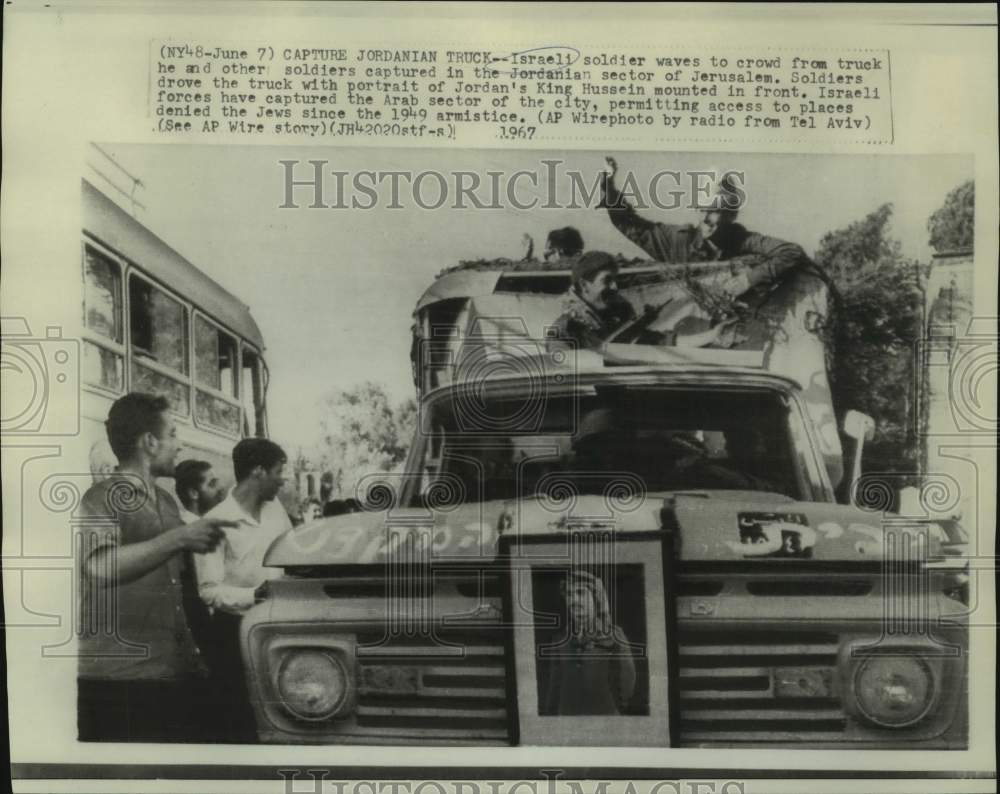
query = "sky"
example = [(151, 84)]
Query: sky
[(333, 290)]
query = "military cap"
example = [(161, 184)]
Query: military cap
[(592, 263)]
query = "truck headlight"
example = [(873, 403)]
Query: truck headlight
[(313, 684), (894, 691)]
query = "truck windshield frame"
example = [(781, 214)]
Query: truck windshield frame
[(494, 447)]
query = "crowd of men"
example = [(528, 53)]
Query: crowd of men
[(164, 585)]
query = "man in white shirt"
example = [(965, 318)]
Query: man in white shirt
[(229, 575)]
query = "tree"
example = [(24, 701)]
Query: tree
[(952, 226), (876, 324), (363, 433)]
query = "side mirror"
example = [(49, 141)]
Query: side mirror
[(861, 428)]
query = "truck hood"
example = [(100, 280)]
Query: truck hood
[(713, 526)]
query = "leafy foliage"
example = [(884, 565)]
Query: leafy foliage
[(877, 322), (363, 433), (952, 226)]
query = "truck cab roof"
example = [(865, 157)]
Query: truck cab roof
[(475, 278), (488, 320)]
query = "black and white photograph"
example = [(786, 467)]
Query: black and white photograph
[(399, 392), (588, 665), (591, 621), (555, 354)]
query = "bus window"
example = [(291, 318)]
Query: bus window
[(215, 369), (158, 331), (252, 394), (103, 363)]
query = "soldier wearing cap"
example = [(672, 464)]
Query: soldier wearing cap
[(717, 237), (593, 309)]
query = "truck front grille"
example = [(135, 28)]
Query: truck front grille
[(448, 687), (758, 687)]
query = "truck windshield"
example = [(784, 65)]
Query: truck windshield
[(659, 439)]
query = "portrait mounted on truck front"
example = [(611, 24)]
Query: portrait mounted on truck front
[(590, 619)]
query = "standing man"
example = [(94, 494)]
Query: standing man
[(140, 675), (229, 575), (198, 489)]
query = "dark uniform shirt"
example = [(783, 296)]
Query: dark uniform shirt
[(678, 244), (590, 678), (132, 631), (586, 326)]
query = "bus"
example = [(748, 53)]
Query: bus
[(153, 322)]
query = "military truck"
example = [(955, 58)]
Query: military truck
[(743, 589)]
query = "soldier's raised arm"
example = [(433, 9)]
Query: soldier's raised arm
[(661, 241)]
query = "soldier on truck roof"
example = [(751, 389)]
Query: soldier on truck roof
[(593, 309), (717, 237), (595, 312), (563, 243)]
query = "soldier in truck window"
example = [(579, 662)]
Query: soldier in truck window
[(595, 312), (688, 465), (593, 308)]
